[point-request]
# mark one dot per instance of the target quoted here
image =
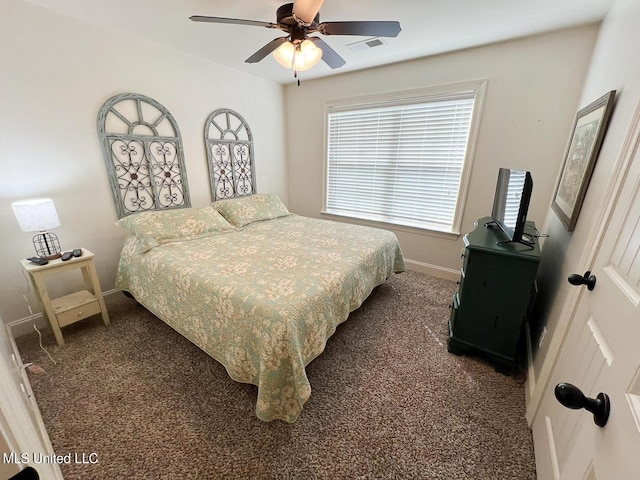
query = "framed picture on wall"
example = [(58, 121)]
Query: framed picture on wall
[(586, 139)]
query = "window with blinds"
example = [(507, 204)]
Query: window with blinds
[(401, 160)]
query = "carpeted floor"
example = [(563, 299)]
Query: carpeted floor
[(388, 401)]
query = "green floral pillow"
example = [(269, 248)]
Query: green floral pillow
[(159, 227), (242, 211)]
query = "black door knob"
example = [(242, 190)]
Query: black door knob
[(571, 397), (586, 279)]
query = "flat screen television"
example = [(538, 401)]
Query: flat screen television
[(511, 203)]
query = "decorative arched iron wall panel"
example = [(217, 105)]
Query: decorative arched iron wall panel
[(229, 146), (142, 148)]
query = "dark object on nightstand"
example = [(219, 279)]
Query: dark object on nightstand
[(496, 293), (28, 473), (38, 260), (75, 253)]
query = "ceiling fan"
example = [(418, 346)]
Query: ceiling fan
[(297, 50)]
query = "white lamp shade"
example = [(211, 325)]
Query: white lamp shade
[(36, 215), (299, 58)]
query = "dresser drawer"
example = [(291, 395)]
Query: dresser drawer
[(71, 316), (74, 307)]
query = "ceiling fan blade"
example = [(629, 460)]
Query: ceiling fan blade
[(306, 10), (329, 55), (266, 50), (235, 21), (373, 29)]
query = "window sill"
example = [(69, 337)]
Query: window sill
[(391, 226)]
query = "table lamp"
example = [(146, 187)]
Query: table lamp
[(39, 215)]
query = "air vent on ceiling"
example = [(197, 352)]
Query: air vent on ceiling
[(366, 44)]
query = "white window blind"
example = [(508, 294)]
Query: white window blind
[(399, 162)]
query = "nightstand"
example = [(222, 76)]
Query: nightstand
[(68, 309)]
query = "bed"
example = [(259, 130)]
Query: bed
[(257, 288)]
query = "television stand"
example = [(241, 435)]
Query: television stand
[(530, 244), (496, 292)]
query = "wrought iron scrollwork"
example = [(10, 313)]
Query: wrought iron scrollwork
[(143, 152), (166, 173), (229, 145)]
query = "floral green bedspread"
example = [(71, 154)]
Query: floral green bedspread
[(264, 299)]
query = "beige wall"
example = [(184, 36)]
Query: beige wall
[(56, 73), (533, 88), (614, 67)]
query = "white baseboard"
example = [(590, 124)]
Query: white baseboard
[(435, 270), (25, 325)]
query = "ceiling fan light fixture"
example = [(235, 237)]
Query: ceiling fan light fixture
[(298, 57), (299, 52), (307, 55), (284, 54)]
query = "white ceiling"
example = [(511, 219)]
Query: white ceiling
[(428, 26)]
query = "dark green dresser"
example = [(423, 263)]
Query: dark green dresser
[(495, 295)]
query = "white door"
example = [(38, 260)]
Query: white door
[(601, 351), (20, 421)]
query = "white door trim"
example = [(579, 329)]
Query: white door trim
[(24, 430)]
